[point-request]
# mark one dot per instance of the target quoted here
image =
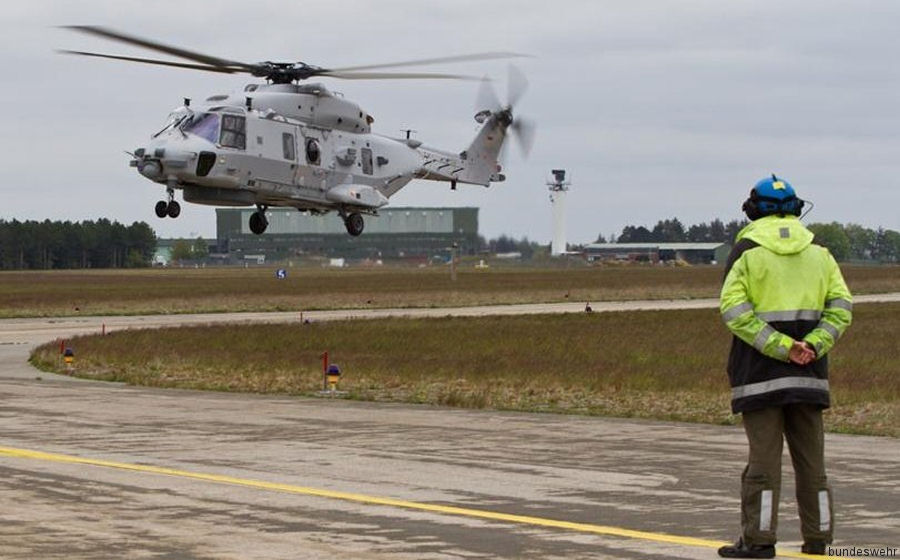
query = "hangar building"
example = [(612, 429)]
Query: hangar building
[(394, 233), (694, 253)]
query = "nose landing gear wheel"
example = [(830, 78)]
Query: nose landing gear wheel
[(162, 209), (354, 224), (258, 223)]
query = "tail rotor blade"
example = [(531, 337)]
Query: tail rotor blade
[(516, 86), (487, 98), (524, 131), (502, 116)]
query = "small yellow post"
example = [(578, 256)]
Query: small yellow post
[(69, 359), (333, 376)]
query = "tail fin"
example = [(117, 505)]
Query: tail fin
[(481, 157), (483, 153), (479, 163)]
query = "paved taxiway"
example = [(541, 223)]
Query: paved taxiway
[(97, 470)]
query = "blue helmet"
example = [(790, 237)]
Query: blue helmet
[(772, 196)]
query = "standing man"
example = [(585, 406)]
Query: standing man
[(786, 303)]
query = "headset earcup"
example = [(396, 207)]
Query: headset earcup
[(750, 208), (793, 206)]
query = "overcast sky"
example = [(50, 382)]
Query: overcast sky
[(657, 109)]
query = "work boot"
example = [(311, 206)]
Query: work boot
[(741, 550), (813, 547)]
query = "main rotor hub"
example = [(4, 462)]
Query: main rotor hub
[(285, 72)]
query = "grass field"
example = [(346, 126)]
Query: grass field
[(662, 365), (154, 291)]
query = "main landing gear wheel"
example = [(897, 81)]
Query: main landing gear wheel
[(258, 222), (171, 209), (354, 224)]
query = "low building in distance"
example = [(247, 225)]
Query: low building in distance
[(694, 253), (394, 233)]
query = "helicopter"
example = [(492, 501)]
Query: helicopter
[(291, 143)]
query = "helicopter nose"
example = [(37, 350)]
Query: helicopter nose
[(161, 161), (150, 169), (174, 159)]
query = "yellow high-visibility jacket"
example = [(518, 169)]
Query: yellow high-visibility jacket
[(780, 287)]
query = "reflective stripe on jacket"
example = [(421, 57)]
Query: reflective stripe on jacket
[(780, 287)]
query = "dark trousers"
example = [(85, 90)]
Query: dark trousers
[(801, 425)]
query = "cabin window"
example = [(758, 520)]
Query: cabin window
[(366, 161), (234, 132), (287, 145), (204, 125), (313, 154)]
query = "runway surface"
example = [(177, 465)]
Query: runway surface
[(100, 470)]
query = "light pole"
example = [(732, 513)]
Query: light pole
[(453, 249)]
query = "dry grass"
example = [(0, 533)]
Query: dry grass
[(112, 292), (653, 364)]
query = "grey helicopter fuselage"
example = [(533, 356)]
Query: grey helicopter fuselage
[(300, 146)]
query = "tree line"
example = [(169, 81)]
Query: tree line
[(184, 250), (88, 244), (846, 242), (855, 242), (105, 244), (673, 231), (507, 244)]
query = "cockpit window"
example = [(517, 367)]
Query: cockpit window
[(234, 132), (204, 125)]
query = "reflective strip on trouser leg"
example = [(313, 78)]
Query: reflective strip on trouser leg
[(765, 510), (805, 436), (824, 512), (761, 480)]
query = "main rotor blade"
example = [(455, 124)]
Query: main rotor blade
[(220, 69), (440, 60), (392, 75), (152, 45)]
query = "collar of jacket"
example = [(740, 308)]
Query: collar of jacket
[(784, 235)]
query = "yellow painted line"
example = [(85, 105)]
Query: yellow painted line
[(375, 500)]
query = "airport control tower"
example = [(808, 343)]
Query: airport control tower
[(558, 187)]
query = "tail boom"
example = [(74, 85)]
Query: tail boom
[(477, 165)]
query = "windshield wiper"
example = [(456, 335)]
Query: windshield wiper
[(170, 125)]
